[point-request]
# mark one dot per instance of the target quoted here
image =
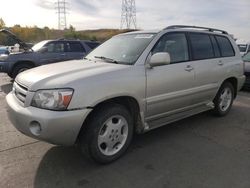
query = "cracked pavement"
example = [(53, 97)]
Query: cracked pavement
[(201, 151)]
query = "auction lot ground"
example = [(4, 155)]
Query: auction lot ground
[(199, 152)]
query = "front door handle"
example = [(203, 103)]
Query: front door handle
[(189, 68)]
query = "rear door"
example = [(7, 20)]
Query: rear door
[(75, 50), (206, 57)]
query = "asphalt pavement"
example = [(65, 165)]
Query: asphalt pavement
[(198, 152)]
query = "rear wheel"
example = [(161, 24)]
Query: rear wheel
[(108, 134), (224, 99), (20, 68)]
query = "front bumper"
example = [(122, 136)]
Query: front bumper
[(4, 66), (56, 127)]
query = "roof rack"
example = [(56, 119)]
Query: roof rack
[(196, 27), (62, 39)]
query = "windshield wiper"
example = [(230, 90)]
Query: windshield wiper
[(109, 60)]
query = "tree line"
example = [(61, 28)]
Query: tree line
[(35, 34)]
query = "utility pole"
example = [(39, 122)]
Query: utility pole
[(128, 15), (62, 7)]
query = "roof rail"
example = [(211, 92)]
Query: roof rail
[(195, 27)]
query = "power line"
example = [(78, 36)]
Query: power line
[(62, 7), (128, 16)]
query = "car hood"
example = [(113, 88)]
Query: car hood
[(64, 74), (11, 35)]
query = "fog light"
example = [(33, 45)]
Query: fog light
[(35, 128)]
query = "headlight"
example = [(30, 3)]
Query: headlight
[(3, 57), (57, 99)]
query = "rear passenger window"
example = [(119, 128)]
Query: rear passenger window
[(201, 46), (75, 47), (175, 44), (225, 46)]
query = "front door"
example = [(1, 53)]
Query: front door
[(55, 52), (169, 87)]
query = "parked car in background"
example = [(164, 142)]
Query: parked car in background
[(246, 59), (134, 82), (244, 48), (45, 52)]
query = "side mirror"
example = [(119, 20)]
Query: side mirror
[(43, 49), (159, 59)]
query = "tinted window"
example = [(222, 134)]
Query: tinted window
[(215, 47), (201, 46), (225, 46), (242, 47), (175, 44), (246, 58), (92, 45), (55, 47), (75, 47)]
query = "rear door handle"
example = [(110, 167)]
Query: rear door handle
[(220, 63), (189, 68)]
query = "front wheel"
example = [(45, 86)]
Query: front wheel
[(108, 134), (224, 99)]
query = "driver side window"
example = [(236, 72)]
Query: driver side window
[(55, 47), (175, 44)]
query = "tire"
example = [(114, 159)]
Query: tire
[(224, 99), (108, 133), (10, 75), (20, 68)]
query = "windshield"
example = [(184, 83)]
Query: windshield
[(242, 47), (246, 58), (124, 49), (38, 46)]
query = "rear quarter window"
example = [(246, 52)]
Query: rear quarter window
[(92, 45), (75, 47), (225, 46)]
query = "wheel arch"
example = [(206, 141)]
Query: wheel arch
[(128, 102), (234, 82), (25, 62)]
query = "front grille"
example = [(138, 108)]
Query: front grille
[(20, 91)]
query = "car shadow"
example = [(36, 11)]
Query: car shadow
[(6, 88), (67, 167), (182, 154)]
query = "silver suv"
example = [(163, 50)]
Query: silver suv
[(133, 83)]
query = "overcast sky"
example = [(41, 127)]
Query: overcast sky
[(231, 15)]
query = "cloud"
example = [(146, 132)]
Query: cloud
[(46, 4), (230, 15)]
